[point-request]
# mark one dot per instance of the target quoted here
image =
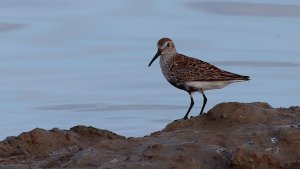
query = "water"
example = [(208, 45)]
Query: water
[(71, 62)]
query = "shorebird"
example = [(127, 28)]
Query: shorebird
[(191, 74)]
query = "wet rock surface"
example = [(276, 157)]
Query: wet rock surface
[(230, 135)]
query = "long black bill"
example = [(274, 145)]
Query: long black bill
[(155, 57)]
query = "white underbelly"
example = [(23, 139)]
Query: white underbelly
[(198, 85)]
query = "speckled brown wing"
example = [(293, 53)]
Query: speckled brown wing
[(192, 69)]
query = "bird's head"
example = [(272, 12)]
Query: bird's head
[(165, 47)]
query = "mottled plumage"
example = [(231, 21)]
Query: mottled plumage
[(191, 74), (191, 69)]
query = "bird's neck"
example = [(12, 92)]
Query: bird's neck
[(166, 58)]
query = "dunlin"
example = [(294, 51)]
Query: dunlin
[(190, 74)]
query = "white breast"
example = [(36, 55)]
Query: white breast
[(210, 85)]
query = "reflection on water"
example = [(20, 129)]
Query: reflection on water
[(66, 63), (103, 107), (9, 27), (256, 64), (249, 8)]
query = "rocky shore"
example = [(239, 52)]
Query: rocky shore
[(230, 135)]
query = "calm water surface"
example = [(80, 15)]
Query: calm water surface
[(71, 62)]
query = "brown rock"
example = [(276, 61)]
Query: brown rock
[(39, 142), (229, 136)]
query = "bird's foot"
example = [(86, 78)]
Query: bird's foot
[(202, 113), (179, 119), (185, 118)]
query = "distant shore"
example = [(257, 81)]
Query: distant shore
[(230, 135)]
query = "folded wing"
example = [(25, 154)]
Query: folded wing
[(192, 69)]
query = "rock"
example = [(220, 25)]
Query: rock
[(242, 112), (39, 142), (229, 136)]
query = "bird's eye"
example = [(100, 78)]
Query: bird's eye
[(168, 44)]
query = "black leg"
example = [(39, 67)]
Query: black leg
[(191, 105), (204, 102)]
